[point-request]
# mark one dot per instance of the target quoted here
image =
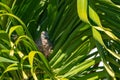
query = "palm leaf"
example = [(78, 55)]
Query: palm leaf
[(75, 33)]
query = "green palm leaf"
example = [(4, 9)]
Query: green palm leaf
[(83, 33)]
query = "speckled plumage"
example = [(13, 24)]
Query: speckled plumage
[(44, 43)]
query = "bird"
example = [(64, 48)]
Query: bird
[(44, 44)]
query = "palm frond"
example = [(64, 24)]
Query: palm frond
[(83, 34)]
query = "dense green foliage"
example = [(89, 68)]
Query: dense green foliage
[(84, 33)]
